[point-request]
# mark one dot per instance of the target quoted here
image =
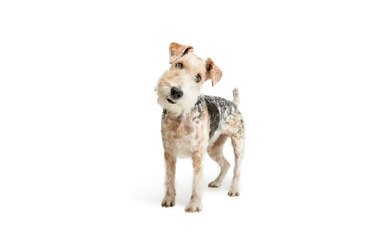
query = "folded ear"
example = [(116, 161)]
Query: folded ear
[(213, 71), (177, 50)]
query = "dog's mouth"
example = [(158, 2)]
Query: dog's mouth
[(170, 101)]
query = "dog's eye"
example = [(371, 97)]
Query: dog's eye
[(179, 65), (198, 78)]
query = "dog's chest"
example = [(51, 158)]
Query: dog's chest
[(184, 135)]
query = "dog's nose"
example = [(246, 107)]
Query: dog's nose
[(176, 93)]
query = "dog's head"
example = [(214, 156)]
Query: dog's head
[(179, 87)]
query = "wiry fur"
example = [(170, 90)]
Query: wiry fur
[(194, 124)]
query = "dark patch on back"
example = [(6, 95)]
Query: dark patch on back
[(219, 109), (214, 115)]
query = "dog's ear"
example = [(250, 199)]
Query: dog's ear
[(213, 71), (177, 50)]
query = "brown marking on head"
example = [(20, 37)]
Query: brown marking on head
[(177, 50), (213, 71)]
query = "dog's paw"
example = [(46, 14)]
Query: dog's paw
[(168, 201), (214, 184), (233, 192), (193, 206)]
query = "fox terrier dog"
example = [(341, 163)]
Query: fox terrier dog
[(193, 123)]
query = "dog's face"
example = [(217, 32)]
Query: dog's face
[(179, 87)]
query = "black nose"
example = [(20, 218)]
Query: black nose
[(176, 93)]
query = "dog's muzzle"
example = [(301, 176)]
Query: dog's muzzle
[(175, 95)]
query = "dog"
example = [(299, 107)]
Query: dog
[(193, 124)]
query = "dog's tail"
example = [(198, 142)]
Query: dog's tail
[(236, 96)]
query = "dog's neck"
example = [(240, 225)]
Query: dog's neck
[(180, 117)]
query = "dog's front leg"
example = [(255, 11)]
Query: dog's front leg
[(170, 194), (195, 204)]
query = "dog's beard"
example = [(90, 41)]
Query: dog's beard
[(182, 105)]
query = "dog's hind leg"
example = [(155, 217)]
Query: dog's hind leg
[(215, 151), (238, 144)]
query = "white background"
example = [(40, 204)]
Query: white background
[(81, 161)]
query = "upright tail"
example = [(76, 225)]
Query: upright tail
[(236, 97)]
